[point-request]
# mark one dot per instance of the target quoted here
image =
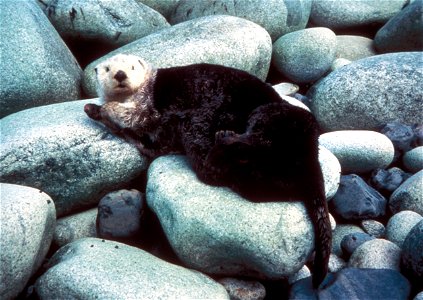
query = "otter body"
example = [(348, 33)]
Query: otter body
[(235, 130)]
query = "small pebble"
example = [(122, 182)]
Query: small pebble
[(242, 289), (336, 263), (352, 241), (412, 252), (339, 233), (409, 195), (401, 135), (304, 272), (374, 228), (413, 160), (387, 181)]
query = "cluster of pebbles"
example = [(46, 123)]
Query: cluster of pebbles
[(83, 215)]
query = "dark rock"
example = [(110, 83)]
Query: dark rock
[(401, 135), (403, 32), (418, 135), (119, 214), (387, 181), (412, 254), (355, 200), (352, 241), (352, 283)]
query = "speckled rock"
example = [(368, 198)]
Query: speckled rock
[(339, 63), (27, 218), (305, 55), (349, 14), (37, 67), (400, 225), (59, 150), (74, 227), (336, 263), (419, 296), (242, 289), (214, 230), (409, 195), (403, 32), (412, 254), (276, 16), (386, 181), (413, 159), (286, 88), (359, 151), (376, 254), (339, 233), (331, 170), (354, 47), (374, 228), (97, 269), (401, 135), (224, 40), (103, 21), (370, 92)]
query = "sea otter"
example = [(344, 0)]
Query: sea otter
[(235, 130)]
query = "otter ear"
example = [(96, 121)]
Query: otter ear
[(95, 70)]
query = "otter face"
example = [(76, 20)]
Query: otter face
[(121, 76)]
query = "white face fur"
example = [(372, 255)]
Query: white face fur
[(121, 76)]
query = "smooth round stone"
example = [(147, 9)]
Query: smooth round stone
[(409, 195), (338, 235), (243, 289), (370, 92), (74, 227), (27, 218), (349, 14), (419, 296), (354, 47), (223, 40), (331, 170), (99, 269), (216, 231), (286, 88), (339, 63), (400, 225), (412, 254), (359, 151), (305, 55), (103, 22), (374, 228), (276, 16), (37, 68), (403, 32), (295, 102), (376, 254), (336, 263), (413, 159), (352, 241), (304, 272), (58, 149)]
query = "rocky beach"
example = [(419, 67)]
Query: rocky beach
[(83, 215)]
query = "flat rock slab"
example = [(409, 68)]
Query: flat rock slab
[(214, 230), (99, 269), (59, 150), (27, 218), (223, 40)]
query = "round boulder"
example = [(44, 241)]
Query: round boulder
[(305, 55), (370, 92), (409, 195)]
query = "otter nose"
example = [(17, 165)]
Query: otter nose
[(120, 76)]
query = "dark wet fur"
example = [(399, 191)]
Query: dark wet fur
[(237, 132)]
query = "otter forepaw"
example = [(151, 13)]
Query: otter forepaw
[(225, 137), (93, 111)]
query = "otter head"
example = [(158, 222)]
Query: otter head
[(121, 76)]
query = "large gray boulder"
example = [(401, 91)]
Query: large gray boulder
[(278, 17), (37, 68), (103, 22), (214, 230), (224, 40), (165, 7), (370, 92), (404, 32), (27, 218), (99, 269), (59, 150), (349, 14)]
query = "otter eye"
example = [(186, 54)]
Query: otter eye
[(107, 69)]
